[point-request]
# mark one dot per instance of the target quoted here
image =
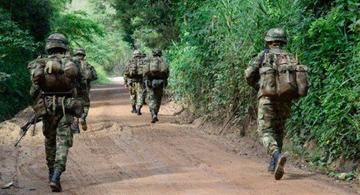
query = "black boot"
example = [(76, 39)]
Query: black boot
[(280, 161), (154, 118), (133, 109), (55, 181), (272, 165), (138, 110)]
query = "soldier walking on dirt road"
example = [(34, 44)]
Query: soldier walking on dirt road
[(134, 81), (88, 74), (54, 80), (279, 79), (156, 73)]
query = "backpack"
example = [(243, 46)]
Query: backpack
[(156, 67), (134, 69), (88, 71), (283, 77), (57, 73)]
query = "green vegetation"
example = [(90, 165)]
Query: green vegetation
[(25, 25), (208, 45)]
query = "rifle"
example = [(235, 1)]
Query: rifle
[(32, 121)]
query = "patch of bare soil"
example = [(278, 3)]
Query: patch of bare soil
[(122, 153)]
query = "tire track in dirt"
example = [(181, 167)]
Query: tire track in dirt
[(124, 154)]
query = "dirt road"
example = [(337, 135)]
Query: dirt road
[(125, 154)]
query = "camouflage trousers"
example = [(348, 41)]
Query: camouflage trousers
[(58, 140), (272, 115), (85, 97), (154, 96), (136, 89)]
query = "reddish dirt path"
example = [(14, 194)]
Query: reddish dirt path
[(124, 154)]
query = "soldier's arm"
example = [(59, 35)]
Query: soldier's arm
[(252, 75)]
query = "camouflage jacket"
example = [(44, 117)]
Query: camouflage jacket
[(263, 59)]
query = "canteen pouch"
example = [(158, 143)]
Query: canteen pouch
[(286, 81), (302, 80), (267, 82)]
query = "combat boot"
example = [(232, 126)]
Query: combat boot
[(75, 127), (272, 165), (55, 181), (154, 118), (83, 124), (280, 161), (133, 109), (138, 110)]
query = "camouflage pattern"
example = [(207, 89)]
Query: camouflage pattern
[(272, 116), (276, 34), (154, 98), (272, 112), (136, 85), (58, 139), (155, 85), (57, 112), (84, 86), (136, 90), (56, 40)]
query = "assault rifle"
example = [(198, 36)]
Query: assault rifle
[(32, 121)]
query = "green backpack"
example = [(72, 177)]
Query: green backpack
[(57, 73), (156, 67), (285, 78)]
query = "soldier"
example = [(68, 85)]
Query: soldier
[(54, 80), (88, 74), (134, 81), (279, 79), (155, 76)]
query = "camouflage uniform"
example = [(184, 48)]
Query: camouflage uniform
[(56, 111), (155, 88), (272, 112), (88, 74), (135, 84)]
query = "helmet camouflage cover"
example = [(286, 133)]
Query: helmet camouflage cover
[(56, 40), (276, 34), (157, 52), (136, 53), (79, 51)]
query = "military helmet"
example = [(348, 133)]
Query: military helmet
[(80, 51), (276, 34), (56, 40), (157, 52), (137, 53)]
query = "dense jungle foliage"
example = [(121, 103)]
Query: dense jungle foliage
[(25, 25), (208, 45)]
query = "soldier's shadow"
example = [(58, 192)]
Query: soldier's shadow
[(299, 176)]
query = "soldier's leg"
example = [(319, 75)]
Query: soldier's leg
[(283, 110), (64, 141), (86, 106), (49, 131), (132, 97), (266, 120), (158, 97), (64, 138), (139, 96)]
